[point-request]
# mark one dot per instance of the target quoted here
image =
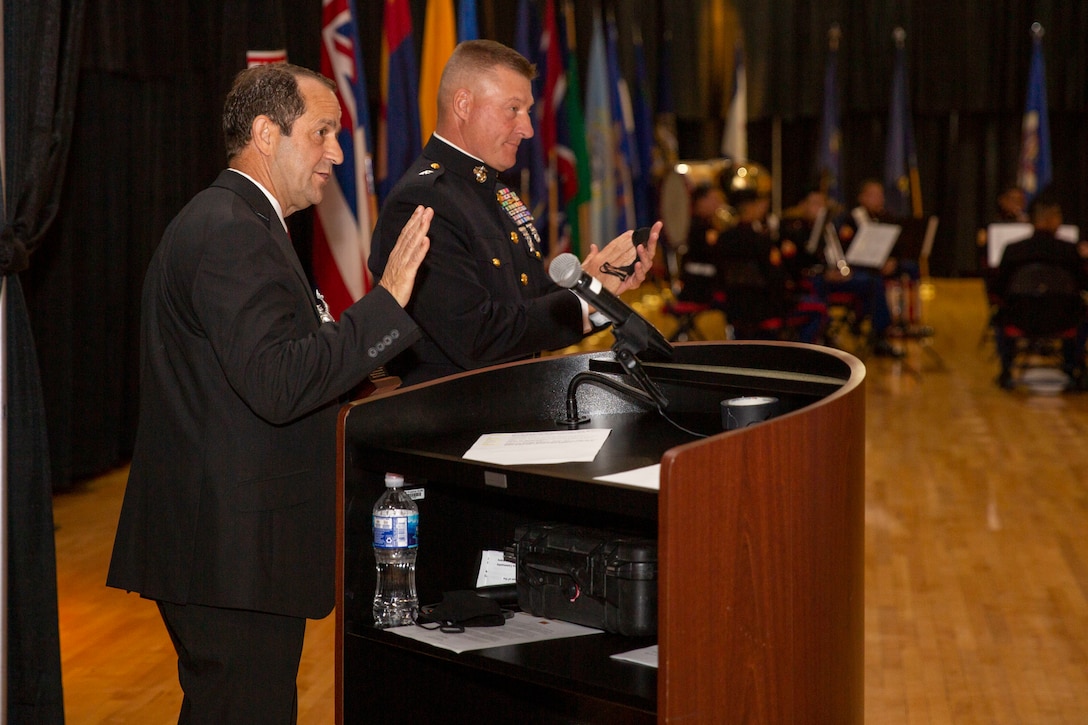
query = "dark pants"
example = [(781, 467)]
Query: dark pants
[(868, 287), (235, 666), (1072, 350)]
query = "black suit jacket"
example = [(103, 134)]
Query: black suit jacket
[(231, 495), (482, 295), (1040, 247)]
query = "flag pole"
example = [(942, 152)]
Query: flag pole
[(900, 37), (3, 406)]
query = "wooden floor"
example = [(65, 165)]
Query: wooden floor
[(976, 566)]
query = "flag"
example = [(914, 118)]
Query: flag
[(399, 142), (901, 189), (735, 137), (623, 123), (599, 137), (529, 170), (829, 163), (467, 25), (645, 201), (666, 137), (572, 155), (546, 111), (439, 40), (262, 57), (345, 217), (261, 29), (1034, 173)]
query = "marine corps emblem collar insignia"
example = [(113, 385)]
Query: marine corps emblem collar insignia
[(481, 174)]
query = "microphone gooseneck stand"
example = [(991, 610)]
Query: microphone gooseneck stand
[(631, 338)]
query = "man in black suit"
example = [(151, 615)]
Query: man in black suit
[(1042, 247), (483, 295), (228, 520)]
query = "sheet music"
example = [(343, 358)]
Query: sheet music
[(999, 236), (873, 244)]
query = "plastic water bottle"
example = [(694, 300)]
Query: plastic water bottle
[(396, 519)]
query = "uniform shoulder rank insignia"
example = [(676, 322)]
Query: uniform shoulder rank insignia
[(432, 172)]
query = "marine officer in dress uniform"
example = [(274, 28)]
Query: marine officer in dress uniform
[(483, 295)]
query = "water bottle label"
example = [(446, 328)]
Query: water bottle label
[(395, 531)]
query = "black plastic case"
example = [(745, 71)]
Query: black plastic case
[(587, 576)]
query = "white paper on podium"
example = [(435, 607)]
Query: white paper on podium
[(646, 656), (495, 570), (553, 446), (999, 236), (519, 629), (872, 245), (645, 477)]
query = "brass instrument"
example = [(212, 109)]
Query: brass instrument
[(735, 179)]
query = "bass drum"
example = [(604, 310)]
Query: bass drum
[(677, 188)]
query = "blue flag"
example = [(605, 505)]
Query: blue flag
[(400, 135), (902, 194), (624, 124), (529, 175), (1034, 173), (829, 163), (600, 136), (645, 199), (467, 25)]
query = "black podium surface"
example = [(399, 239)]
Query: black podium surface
[(423, 431)]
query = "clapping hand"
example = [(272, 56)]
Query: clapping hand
[(623, 263)]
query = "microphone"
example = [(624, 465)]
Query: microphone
[(566, 271)]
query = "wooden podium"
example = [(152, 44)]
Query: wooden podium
[(760, 538)]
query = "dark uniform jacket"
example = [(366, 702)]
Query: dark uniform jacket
[(231, 495), (1044, 248), (482, 295)]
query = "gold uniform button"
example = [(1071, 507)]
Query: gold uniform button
[(436, 165), (514, 237), (538, 254), (496, 262), (524, 280)]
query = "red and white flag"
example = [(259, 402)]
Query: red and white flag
[(346, 215)]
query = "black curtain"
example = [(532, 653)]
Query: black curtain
[(41, 41), (968, 69), (146, 138)]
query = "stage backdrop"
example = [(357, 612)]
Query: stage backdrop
[(152, 78)]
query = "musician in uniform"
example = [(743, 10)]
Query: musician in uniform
[(483, 295), (699, 269), (868, 284), (1012, 205), (752, 272)]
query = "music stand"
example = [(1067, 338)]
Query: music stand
[(999, 236), (912, 239), (872, 245)]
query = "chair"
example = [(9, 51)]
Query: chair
[(757, 309), (687, 314), (845, 313), (696, 293), (1039, 315)]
